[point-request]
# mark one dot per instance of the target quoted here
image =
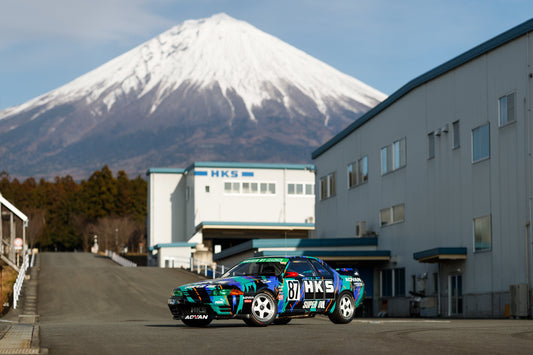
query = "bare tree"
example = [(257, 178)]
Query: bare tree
[(114, 233), (36, 222)]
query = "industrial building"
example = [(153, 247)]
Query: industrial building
[(441, 175), (212, 206)]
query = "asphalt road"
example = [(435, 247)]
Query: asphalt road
[(89, 305)]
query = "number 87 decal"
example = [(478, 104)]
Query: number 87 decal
[(293, 290)]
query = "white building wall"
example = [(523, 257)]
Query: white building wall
[(179, 200), (444, 194), (165, 219), (218, 205)]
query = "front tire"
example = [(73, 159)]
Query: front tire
[(344, 309), (263, 311)]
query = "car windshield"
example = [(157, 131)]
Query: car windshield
[(258, 267)]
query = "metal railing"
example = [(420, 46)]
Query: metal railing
[(17, 287), (206, 269), (200, 267), (119, 259)]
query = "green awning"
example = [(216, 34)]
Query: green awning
[(436, 255)]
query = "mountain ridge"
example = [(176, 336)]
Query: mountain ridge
[(198, 91)]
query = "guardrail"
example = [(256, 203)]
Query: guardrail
[(208, 270), (197, 266), (119, 259), (17, 287)]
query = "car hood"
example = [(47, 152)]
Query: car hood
[(244, 283)]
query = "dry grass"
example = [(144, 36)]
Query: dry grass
[(9, 276)]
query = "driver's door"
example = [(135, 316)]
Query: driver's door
[(298, 287)]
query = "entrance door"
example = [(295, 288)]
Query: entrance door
[(455, 297), (169, 262)]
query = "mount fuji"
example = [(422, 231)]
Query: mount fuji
[(214, 89)]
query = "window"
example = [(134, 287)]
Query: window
[(265, 188), (321, 269), (207, 188), (393, 282), (456, 139), (481, 143), (391, 215), (232, 187), (358, 172), (399, 282), (327, 186), (393, 157), (482, 233), (386, 283), (302, 267), (507, 112), (431, 145), (300, 189)]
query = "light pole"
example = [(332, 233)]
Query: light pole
[(116, 239)]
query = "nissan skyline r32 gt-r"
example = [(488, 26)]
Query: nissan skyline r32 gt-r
[(265, 290)]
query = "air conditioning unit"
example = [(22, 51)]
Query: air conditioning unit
[(360, 229), (518, 295)]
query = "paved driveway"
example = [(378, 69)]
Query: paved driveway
[(89, 305)]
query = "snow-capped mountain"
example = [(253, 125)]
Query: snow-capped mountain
[(210, 89)]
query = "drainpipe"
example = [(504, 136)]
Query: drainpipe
[(284, 190), (529, 183), (438, 291)]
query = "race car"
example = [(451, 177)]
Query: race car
[(266, 290)]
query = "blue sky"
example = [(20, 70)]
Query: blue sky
[(385, 43)]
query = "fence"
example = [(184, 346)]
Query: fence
[(17, 287), (194, 265), (119, 259), (208, 270)]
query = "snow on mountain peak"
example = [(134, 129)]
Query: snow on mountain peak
[(218, 50)]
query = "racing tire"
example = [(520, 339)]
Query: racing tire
[(344, 309), (197, 322), (282, 320), (263, 311)]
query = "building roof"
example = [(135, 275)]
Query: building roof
[(14, 210), (442, 69), (296, 243), (253, 225), (231, 165), (330, 255), (173, 245)]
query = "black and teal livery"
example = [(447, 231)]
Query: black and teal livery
[(265, 290)]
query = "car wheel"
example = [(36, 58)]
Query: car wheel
[(197, 322), (263, 311), (282, 320), (344, 309)]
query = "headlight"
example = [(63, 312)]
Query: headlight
[(177, 293), (226, 292)]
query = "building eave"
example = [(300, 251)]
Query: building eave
[(442, 69)]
